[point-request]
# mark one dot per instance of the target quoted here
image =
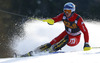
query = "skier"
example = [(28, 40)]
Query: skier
[(74, 25)]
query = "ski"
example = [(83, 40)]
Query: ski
[(42, 53), (16, 55), (57, 52)]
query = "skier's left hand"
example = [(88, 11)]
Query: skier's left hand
[(87, 47), (49, 21)]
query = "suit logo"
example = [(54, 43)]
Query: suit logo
[(68, 24)]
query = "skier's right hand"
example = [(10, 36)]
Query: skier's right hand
[(49, 21)]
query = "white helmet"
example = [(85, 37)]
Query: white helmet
[(69, 6)]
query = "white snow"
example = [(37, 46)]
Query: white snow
[(38, 33)]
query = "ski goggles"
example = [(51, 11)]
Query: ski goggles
[(67, 11)]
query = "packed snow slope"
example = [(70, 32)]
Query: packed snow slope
[(38, 33)]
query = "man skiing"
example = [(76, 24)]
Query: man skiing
[(74, 25)]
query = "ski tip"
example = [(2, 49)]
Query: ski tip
[(15, 55)]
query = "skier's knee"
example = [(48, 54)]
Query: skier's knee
[(66, 38)]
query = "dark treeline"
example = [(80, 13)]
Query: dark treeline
[(49, 8), (12, 13)]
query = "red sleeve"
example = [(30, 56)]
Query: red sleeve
[(58, 17), (83, 29)]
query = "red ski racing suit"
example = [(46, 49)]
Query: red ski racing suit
[(73, 27)]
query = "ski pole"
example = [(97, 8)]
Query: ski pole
[(95, 47), (12, 13), (32, 18)]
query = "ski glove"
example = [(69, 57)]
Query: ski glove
[(49, 21), (87, 47)]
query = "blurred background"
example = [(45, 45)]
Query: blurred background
[(14, 13)]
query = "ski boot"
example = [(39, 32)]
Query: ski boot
[(27, 54), (37, 50)]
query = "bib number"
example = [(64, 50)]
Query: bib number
[(72, 41)]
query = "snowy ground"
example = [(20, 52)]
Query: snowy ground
[(38, 33), (69, 57)]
